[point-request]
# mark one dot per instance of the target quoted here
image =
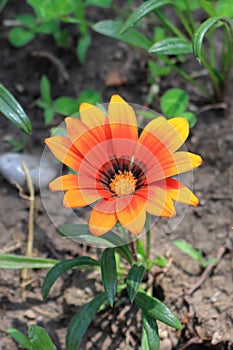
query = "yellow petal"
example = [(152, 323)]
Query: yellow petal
[(64, 183), (122, 119), (91, 115)]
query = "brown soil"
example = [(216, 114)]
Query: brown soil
[(206, 312)]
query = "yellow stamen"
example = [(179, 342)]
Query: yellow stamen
[(123, 184)]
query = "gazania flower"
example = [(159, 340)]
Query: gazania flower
[(120, 174)]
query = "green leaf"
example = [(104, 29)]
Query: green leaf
[(82, 47), (81, 233), (19, 338), (40, 339), (66, 105), (52, 9), (142, 11), (99, 3), (20, 37), (10, 261), (28, 20), (48, 115), (172, 46), (151, 332), (156, 310), (3, 4), (158, 261), (134, 280), (51, 27), (188, 249), (124, 252), (82, 320), (132, 37), (202, 30), (174, 102), (140, 248), (89, 95), (190, 117), (13, 111), (109, 273), (63, 266), (224, 8), (45, 89)]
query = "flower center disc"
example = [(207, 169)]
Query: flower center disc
[(123, 184)]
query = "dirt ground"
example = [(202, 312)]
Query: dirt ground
[(206, 308)]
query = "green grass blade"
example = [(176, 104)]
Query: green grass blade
[(10, 261), (142, 11), (172, 46)]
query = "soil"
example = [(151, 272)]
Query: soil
[(206, 308)]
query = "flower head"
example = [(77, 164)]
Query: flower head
[(123, 175)]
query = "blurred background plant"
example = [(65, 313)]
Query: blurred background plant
[(171, 44)]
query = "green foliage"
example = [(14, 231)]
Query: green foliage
[(150, 339), (113, 29), (193, 253), (13, 111), (19, 338), (49, 15), (63, 105), (82, 320), (174, 103), (134, 279), (155, 309), (109, 274), (63, 266), (17, 145), (39, 338), (10, 261), (171, 41)]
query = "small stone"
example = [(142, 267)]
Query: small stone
[(166, 344), (30, 314), (41, 173)]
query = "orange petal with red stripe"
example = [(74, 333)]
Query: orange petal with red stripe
[(64, 151), (64, 183), (103, 217), (180, 193), (131, 213)]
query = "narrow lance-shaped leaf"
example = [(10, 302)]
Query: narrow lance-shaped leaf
[(157, 310), (19, 337), (201, 31), (132, 37), (10, 261), (151, 332), (82, 320), (172, 46), (62, 267), (13, 111), (109, 273), (142, 11), (40, 339), (134, 279)]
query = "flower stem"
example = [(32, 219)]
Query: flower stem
[(133, 249), (148, 237)]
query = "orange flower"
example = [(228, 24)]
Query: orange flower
[(122, 175)]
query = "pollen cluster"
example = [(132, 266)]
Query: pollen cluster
[(123, 184)]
